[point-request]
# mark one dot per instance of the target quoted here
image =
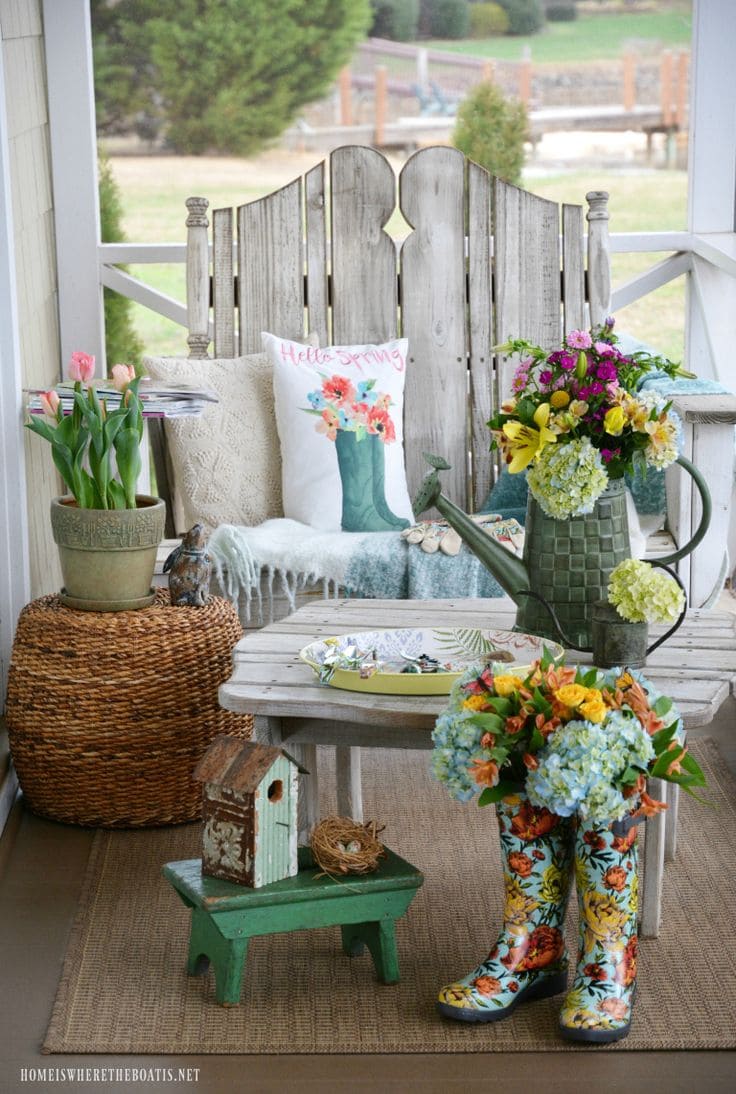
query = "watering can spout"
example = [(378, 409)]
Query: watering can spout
[(506, 567)]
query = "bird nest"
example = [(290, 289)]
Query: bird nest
[(342, 846)]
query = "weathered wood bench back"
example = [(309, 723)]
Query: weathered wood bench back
[(480, 261)]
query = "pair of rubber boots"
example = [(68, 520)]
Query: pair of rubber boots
[(529, 960)]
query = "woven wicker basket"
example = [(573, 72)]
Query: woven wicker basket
[(108, 713)]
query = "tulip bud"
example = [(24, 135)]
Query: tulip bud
[(81, 366), (122, 375), (581, 368), (50, 404)]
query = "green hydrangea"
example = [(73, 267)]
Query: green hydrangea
[(642, 594), (568, 478)]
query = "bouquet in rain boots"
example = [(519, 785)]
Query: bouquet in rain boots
[(564, 756)]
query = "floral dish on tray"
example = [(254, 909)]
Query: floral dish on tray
[(412, 661)]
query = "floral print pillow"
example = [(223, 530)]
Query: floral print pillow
[(339, 414)]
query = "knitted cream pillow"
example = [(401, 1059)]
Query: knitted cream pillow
[(227, 464)]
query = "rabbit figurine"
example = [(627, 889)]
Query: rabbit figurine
[(188, 567)]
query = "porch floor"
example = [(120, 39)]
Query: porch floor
[(41, 869)]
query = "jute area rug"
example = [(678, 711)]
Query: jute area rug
[(124, 989)]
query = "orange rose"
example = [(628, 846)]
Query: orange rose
[(595, 972), (626, 968), (520, 863), (616, 1008), (545, 946), (594, 840), (529, 822), (487, 985), (625, 843), (615, 878)]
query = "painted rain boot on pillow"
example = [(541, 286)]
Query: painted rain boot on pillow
[(598, 1006), (529, 960)]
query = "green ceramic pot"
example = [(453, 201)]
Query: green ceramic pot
[(107, 555)]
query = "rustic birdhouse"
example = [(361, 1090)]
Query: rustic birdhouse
[(249, 812)]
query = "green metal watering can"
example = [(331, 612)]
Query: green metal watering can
[(566, 564)]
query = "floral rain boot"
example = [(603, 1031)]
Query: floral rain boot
[(529, 960), (598, 1006)]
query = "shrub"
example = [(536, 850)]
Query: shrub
[(121, 341), (395, 19), (525, 16), (449, 18), (491, 130), (561, 13), (488, 20)]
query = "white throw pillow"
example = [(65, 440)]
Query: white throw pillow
[(339, 414), (227, 464)]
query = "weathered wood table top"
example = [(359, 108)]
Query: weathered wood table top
[(696, 667)]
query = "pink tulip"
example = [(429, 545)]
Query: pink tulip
[(122, 376), (81, 366), (49, 403)]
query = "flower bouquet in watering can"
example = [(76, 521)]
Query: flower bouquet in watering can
[(575, 421), (564, 754), (107, 534)]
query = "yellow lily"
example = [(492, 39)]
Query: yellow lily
[(524, 442)]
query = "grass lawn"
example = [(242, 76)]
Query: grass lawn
[(594, 37), (153, 191)]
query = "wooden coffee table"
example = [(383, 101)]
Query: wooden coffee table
[(696, 667)]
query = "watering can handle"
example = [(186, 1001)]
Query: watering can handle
[(681, 617), (702, 528)]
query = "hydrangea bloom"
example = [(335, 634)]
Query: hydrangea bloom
[(567, 479), (642, 594), (581, 762)]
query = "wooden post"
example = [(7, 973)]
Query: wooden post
[(665, 87), (681, 89), (525, 76), (629, 81), (346, 96), (379, 130), (422, 68), (488, 72), (72, 133), (599, 277), (198, 280)]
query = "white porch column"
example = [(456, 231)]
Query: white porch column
[(74, 160), (712, 190), (14, 573)]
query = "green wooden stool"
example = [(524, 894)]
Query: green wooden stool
[(225, 915)]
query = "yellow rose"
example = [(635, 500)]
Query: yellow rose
[(558, 399), (604, 920), (475, 702), (519, 906), (571, 695), (550, 891), (594, 710), (506, 684), (614, 421)]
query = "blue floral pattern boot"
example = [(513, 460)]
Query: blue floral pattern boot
[(529, 960), (598, 1006)]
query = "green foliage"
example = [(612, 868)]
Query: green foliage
[(124, 95), (488, 20), (448, 18), (121, 341), (395, 19), (226, 75), (561, 13), (491, 130), (525, 16)]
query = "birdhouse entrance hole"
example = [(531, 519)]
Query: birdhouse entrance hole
[(276, 791)]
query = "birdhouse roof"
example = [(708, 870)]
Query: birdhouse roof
[(239, 765)]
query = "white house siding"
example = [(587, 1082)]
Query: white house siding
[(21, 35)]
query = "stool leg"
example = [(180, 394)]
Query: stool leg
[(227, 955), (380, 938)]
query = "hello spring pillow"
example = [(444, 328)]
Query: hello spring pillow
[(339, 414)]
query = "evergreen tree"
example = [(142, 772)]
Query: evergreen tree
[(122, 343)]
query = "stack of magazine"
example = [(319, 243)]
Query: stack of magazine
[(160, 399)]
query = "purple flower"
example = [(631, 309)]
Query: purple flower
[(567, 361), (606, 371), (603, 349), (579, 339), (609, 454), (545, 377)]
